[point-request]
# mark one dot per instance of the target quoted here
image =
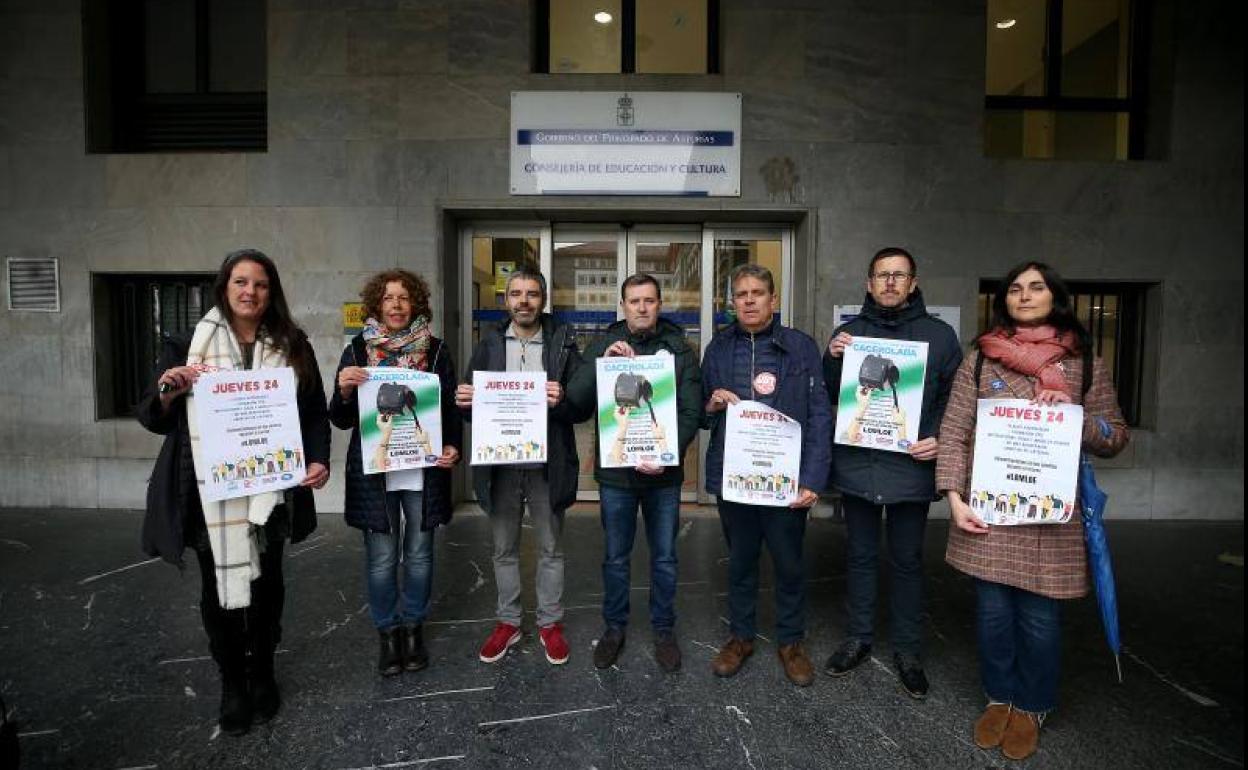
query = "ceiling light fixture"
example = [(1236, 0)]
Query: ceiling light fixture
[(602, 17), (1006, 23)]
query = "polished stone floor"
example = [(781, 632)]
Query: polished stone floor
[(104, 663)]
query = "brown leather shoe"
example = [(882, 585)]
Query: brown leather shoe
[(991, 725), (797, 667), (1022, 733), (728, 660)]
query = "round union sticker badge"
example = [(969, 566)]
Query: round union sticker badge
[(765, 383)]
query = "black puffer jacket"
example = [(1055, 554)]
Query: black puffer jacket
[(561, 358), (172, 493), (892, 477), (365, 505)]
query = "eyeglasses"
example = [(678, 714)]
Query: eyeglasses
[(897, 277)]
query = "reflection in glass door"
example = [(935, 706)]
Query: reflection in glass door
[(769, 248)]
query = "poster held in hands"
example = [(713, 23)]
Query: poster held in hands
[(508, 418), (637, 411), (400, 419), (762, 455), (1026, 461), (250, 440), (880, 400)]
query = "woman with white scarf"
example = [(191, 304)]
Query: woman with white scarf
[(398, 510), (238, 542)]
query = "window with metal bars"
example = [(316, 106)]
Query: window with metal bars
[(1115, 315), (133, 314)]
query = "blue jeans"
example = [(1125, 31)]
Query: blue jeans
[(660, 507), (746, 528), (387, 608), (1020, 646), (905, 525)]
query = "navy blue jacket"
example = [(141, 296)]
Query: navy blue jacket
[(365, 505), (561, 358), (799, 393), (892, 477)]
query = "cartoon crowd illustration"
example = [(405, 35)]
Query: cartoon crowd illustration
[(761, 484), (252, 466), (516, 452), (1021, 507)]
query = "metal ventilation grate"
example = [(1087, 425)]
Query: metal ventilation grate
[(34, 284)]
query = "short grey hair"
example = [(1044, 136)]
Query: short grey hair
[(529, 274), (751, 270)]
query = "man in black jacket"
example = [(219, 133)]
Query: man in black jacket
[(871, 481), (652, 487), (529, 340)]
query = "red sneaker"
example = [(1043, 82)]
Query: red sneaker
[(504, 636), (555, 645)]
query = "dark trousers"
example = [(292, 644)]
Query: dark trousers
[(660, 507), (906, 523), (1020, 645), (746, 528), (234, 635)]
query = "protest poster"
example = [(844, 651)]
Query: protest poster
[(249, 436), (637, 411), (1026, 461), (400, 419), (762, 455), (508, 418), (880, 399)]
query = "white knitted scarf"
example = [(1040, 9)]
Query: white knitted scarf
[(234, 526)]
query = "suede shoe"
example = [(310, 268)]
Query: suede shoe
[(797, 667), (728, 661), (557, 650), (265, 698), (503, 637), (910, 673), (389, 659), (847, 657), (415, 657), (1022, 734), (235, 715), (608, 649), (990, 726), (667, 652)]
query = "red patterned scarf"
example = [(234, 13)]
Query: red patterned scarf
[(408, 348), (1033, 351)]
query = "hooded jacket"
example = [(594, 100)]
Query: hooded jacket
[(583, 392), (892, 477)]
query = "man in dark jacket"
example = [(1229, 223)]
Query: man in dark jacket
[(756, 358), (871, 481), (655, 488), (529, 340)]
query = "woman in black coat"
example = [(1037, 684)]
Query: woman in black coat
[(250, 327), (397, 510)]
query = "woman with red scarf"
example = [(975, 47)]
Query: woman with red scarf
[(399, 510), (1037, 349)]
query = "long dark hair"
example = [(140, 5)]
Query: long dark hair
[(277, 321), (1062, 317)]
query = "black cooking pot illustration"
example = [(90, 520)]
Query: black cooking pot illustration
[(393, 398), (877, 373), (631, 389)]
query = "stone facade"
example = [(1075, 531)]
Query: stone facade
[(383, 114)]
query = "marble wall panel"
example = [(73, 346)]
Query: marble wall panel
[(952, 178), (778, 172), (1202, 309), (943, 45), (478, 169), (115, 239), (791, 110), (332, 107), (424, 173), (31, 362), (76, 485), (133, 440), (42, 45), (916, 110), (42, 109), (176, 179), (1196, 494), (401, 42), (27, 481), (489, 37), (6, 178), (122, 482), (1130, 493), (54, 174), (197, 238), (1064, 186), (843, 45), (303, 43), (299, 173), (373, 172), (318, 239), (439, 107), (763, 40)]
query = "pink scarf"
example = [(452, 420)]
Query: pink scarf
[(1033, 351)]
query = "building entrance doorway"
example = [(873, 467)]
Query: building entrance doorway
[(585, 264)]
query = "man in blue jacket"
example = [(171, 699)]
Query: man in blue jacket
[(758, 359), (872, 481)]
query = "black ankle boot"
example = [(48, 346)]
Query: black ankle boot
[(389, 660), (266, 699), (235, 705), (415, 657)]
